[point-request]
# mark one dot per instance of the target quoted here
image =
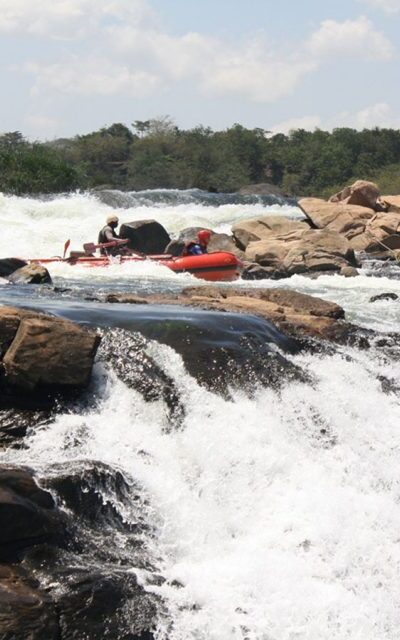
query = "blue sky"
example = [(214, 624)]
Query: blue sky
[(72, 66)]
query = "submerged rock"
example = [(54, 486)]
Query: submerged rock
[(384, 296)]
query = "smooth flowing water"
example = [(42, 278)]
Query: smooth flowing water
[(275, 516)]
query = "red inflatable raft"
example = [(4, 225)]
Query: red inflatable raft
[(220, 265)]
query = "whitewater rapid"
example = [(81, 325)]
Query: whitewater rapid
[(275, 517)]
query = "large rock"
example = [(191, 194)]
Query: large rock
[(361, 193), (9, 265), (146, 236), (364, 229), (27, 513), (175, 247), (30, 274), (26, 610), (264, 227), (45, 351), (392, 203), (301, 252)]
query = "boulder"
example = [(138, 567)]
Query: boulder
[(264, 227), (175, 247), (392, 203), (361, 193), (344, 218), (309, 250), (364, 229), (30, 274), (27, 513), (348, 272), (9, 265), (224, 242), (45, 351), (294, 313), (146, 236), (26, 611)]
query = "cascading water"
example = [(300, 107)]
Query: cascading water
[(272, 515)]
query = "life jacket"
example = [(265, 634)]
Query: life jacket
[(103, 238), (189, 249)]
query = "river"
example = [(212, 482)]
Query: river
[(260, 528)]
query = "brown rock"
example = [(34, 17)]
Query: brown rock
[(30, 274), (349, 272), (392, 203), (263, 228), (361, 193), (48, 351), (304, 251), (293, 312)]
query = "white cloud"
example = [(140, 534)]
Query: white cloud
[(250, 70), (67, 18), (379, 114), (389, 6), (350, 38), (93, 76)]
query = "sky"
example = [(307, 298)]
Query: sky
[(69, 67)]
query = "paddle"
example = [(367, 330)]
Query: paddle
[(90, 247), (66, 248)]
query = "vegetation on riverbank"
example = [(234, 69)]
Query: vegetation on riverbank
[(157, 154)]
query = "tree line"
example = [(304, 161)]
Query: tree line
[(157, 154)]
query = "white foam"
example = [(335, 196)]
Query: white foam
[(275, 530)]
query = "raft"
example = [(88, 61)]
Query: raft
[(220, 265)]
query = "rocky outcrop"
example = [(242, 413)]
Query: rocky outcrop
[(361, 193), (301, 252), (362, 227), (26, 610), (30, 274), (27, 514), (294, 313), (43, 353), (264, 228), (145, 236)]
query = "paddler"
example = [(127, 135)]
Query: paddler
[(109, 234), (199, 247)]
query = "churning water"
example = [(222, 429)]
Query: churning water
[(275, 516)]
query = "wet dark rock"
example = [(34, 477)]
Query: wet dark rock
[(28, 514), (92, 490), (125, 352), (26, 610), (14, 425), (146, 236), (384, 296), (9, 265), (30, 274), (111, 606)]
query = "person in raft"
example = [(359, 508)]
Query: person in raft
[(199, 247), (109, 234)]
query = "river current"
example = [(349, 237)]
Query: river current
[(261, 530)]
